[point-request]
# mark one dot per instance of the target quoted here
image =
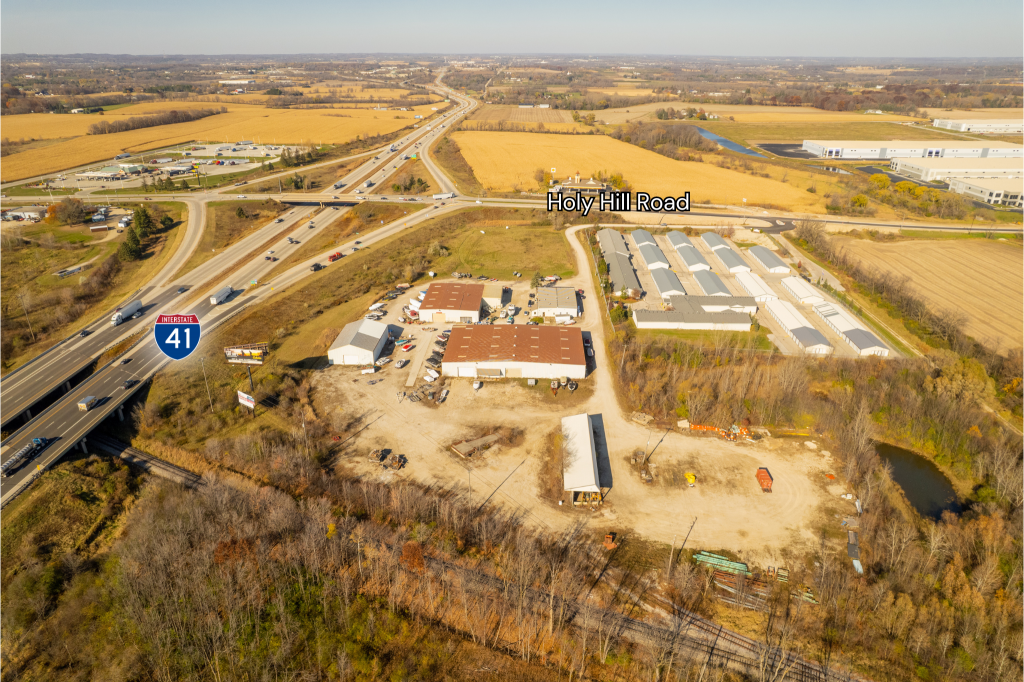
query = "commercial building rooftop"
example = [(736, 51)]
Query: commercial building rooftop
[(679, 240), (453, 296), (363, 334), (917, 144), (711, 284), (556, 297), (515, 342), (642, 237), (713, 241), (768, 258)]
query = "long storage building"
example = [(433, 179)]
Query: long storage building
[(927, 149), (667, 282), (642, 237), (714, 241), (803, 291), (514, 351), (755, 286), (768, 260), (851, 331), (796, 326), (653, 257), (581, 474), (942, 169), (679, 240), (689, 313), (452, 302), (998, 126), (711, 284), (693, 259), (996, 191), (731, 260), (616, 254), (612, 241)]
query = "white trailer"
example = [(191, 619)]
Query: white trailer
[(125, 313), (447, 195), (219, 297)]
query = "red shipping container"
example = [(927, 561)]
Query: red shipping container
[(764, 478)]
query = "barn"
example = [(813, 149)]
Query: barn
[(514, 351), (359, 343)]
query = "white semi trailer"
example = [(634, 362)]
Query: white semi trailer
[(219, 297), (125, 313)]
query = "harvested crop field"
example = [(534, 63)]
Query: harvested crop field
[(1017, 114), (743, 113), (491, 112), (980, 277), (504, 161), (281, 126)]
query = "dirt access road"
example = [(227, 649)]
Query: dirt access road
[(732, 512)]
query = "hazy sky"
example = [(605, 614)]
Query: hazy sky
[(867, 28)]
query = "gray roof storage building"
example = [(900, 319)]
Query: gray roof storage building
[(713, 241), (768, 260), (667, 282), (642, 237), (653, 257), (612, 241), (809, 337), (688, 314), (359, 343), (678, 240), (731, 260), (621, 274), (693, 260), (711, 284)]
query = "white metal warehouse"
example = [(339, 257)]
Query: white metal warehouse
[(653, 257), (851, 331), (1002, 126), (998, 191), (755, 286), (768, 260), (359, 343), (873, 149), (796, 326), (803, 291), (580, 474), (557, 301), (642, 237), (514, 351), (711, 284), (938, 170), (731, 260), (678, 240), (668, 283)]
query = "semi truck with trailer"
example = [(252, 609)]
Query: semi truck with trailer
[(446, 195), (11, 464), (125, 313), (220, 296)]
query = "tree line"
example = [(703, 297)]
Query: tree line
[(136, 122)]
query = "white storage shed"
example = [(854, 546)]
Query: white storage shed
[(668, 283), (580, 474), (804, 292), (768, 260), (755, 286), (796, 326), (359, 343), (731, 260)]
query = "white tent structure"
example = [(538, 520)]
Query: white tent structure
[(580, 473)]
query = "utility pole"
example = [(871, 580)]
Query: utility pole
[(208, 394), (671, 554), (469, 472), (21, 297)]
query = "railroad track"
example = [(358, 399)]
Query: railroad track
[(146, 461)]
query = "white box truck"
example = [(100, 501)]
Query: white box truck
[(126, 312), (87, 403), (219, 297)]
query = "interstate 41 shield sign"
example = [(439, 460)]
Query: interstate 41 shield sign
[(177, 335)]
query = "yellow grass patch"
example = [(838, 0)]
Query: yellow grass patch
[(242, 122), (504, 161)]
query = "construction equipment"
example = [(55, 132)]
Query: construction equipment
[(764, 479), (690, 479), (609, 541)]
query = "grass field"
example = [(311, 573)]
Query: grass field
[(1017, 114), (747, 114), (224, 227), (328, 126), (57, 306), (979, 277), (748, 133), (506, 161), (409, 170)]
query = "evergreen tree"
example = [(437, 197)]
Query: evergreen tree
[(166, 221), (130, 248)]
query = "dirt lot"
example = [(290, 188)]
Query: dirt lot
[(981, 278), (491, 112), (732, 512)]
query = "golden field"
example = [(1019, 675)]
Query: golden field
[(539, 127), (504, 161), (331, 126), (497, 112)]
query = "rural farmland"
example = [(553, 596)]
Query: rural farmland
[(505, 161), (978, 277)]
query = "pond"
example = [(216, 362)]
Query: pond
[(833, 169), (728, 144), (926, 487)]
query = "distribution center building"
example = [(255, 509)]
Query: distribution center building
[(803, 291), (556, 301), (873, 149), (768, 260), (796, 326), (1002, 126), (514, 351), (359, 343), (851, 331), (939, 170), (668, 283), (997, 191)]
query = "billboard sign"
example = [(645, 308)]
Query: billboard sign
[(251, 354), (177, 335), (246, 400)]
